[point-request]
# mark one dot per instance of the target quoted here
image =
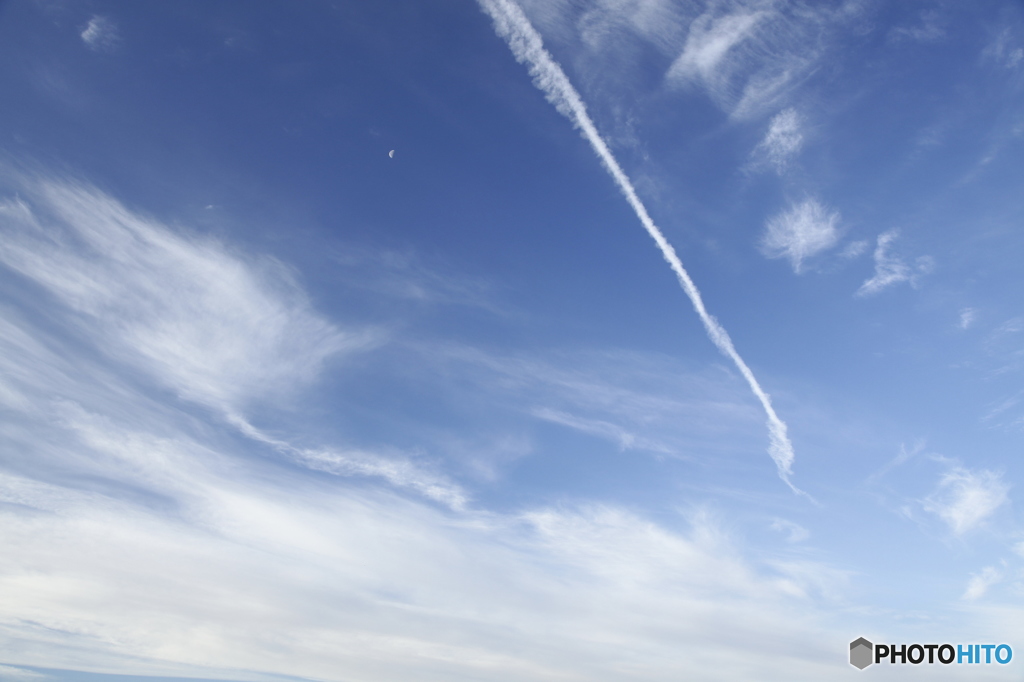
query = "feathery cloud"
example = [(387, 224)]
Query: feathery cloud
[(782, 141), (217, 328), (404, 275), (528, 48), (140, 540), (890, 269), (626, 440), (964, 498), (805, 230), (967, 318), (399, 471), (100, 34), (709, 42), (794, 531), (745, 55), (854, 249), (12, 674), (1003, 50), (748, 55), (928, 30), (318, 585), (979, 583), (231, 564)]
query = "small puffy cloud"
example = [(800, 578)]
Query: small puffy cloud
[(805, 230), (782, 141), (965, 498), (100, 34), (979, 583), (890, 269)]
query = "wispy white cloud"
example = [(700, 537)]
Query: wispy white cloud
[(604, 23), (1004, 344), (928, 29), (891, 269), (259, 570), (782, 141), (405, 275), (794, 531), (220, 328), (967, 318), (400, 471), (647, 403), (216, 327), (149, 544), (1004, 50), (11, 674), (626, 440), (905, 455), (965, 498), (801, 232), (807, 580), (979, 583), (100, 34), (748, 55), (854, 249), (710, 40), (528, 48)]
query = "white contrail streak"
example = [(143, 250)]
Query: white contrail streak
[(513, 26)]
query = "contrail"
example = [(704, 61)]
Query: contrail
[(513, 26)]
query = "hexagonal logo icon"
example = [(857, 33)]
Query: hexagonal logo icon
[(861, 653)]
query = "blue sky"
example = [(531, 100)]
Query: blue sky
[(276, 404)]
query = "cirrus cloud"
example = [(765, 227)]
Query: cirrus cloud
[(803, 231)]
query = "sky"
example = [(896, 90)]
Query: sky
[(509, 340)]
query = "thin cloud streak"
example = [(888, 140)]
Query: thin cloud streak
[(401, 473), (526, 44), (626, 440)]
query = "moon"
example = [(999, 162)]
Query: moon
[(391, 154)]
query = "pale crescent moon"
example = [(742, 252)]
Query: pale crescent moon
[(391, 154)]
